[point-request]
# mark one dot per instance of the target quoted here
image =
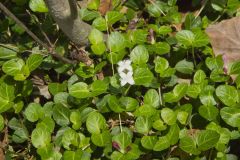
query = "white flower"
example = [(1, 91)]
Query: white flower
[(125, 72), (126, 78), (124, 65)]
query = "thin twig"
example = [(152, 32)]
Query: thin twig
[(31, 34)]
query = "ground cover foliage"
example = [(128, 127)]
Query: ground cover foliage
[(183, 103)]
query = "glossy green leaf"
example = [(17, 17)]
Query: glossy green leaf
[(185, 37), (122, 141), (208, 112), (116, 42), (143, 124), (113, 16), (173, 134), (231, 116), (70, 138), (33, 112), (75, 119), (142, 76), (152, 98), (162, 144), (101, 139), (1, 123), (61, 114), (161, 64), (79, 90), (207, 139), (34, 61), (95, 36), (8, 51), (188, 145), (227, 94), (38, 6), (185, 67), (145, 110), (139, 55), (13, 66), (40, 137), (168, 116), (149, 142), (95, 123)]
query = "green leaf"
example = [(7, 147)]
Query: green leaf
[(34, 61), (95, 36), (227, 94), (188, 145), (1, 122), (40, 137), (206, 96), (13, 66), (182, 117), (234, 68), (173, 134), (149, 142), (161, 64), (168, 116), (100, 24), (185, 67), (47, 124), (75, 118), (38, 6), (70, 138), (87, 15), (121, 141), (116, 42), (180, 90), (79, 90), (145, 110), (73, 155), (55, 88), (142, 76), (20, 135), (129, 104), (61, 114), (207, 139), (159, 125), (193, 90), (231, 116), (99, 48), (138, 36), (159, 48), (93, 4), (143, 124), (113, 16), (214, 63), (95, 123), (8, 51), (199, 77), (162, 144), (208, 112), (98, 87), (186, 37), (164, 30), (139, 55), (114, 104), (101, 139), (152, 98), (34, 112)]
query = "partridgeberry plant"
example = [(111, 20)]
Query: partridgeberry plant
[(120, 79)]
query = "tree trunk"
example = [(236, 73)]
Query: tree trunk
[(65, 13)]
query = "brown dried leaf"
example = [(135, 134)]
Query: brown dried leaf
[(105, 5), (225, 39)]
